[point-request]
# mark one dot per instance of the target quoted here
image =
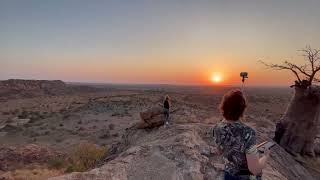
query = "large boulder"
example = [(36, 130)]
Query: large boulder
[(150, 113), (151, 118)]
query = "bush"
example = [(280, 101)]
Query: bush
[(57, 163), (85, 156)]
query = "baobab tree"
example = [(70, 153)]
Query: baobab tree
[(298, 128)]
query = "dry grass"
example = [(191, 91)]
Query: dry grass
[(314, 164), (85, 156), (31, 174), (82, 158), (57, 163)]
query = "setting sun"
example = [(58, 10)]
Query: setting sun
[(216, 78)]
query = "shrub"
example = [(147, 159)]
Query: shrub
[(85, 156), (57, 163)]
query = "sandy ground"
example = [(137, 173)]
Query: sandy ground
[(102, 117), (105, 118)]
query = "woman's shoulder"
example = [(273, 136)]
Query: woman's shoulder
[(244, 124), (248, 132), (220, 125), (245, 128), (237, 126)]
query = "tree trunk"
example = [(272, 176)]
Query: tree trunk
[(298, 128)]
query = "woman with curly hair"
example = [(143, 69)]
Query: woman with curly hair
[(237, 141)]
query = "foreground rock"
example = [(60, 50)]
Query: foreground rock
[(183, 151)]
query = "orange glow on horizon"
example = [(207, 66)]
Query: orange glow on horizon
[(216, 78), (218, 73)]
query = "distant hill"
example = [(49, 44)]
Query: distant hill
[(19, 88)]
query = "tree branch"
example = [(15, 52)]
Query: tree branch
[(309, 71), (302, 69), (283, 67), (312, 55)]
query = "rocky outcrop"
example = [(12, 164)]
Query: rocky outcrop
[(17, 88), (151, 118), (165, 153), (151, 113), (181, 152)]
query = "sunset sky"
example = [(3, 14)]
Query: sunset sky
[(161, 42)]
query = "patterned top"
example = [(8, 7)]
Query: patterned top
[(235, 140)]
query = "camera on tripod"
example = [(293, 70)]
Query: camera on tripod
[(244, 75)]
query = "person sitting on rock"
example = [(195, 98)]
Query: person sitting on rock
[(237, 141), (166, 109)]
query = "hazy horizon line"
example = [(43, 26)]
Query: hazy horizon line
[(153, 84), (172, 84)]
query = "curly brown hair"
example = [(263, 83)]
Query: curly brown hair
[(233, 105)]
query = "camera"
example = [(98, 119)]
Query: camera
[(244, 75)]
